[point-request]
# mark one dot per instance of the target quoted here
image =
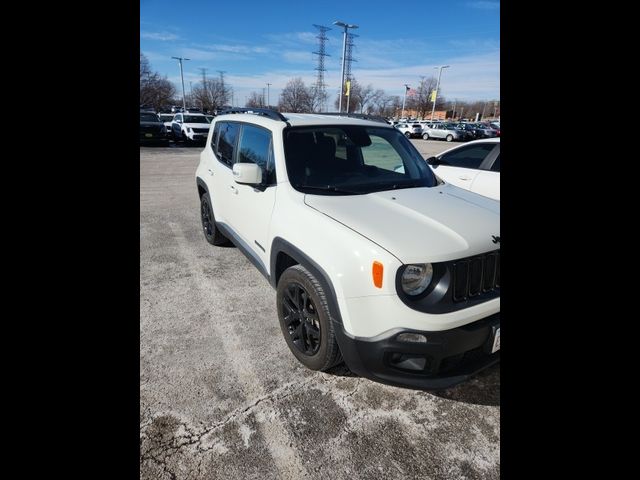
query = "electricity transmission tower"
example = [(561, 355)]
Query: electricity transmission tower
[(320, 86)]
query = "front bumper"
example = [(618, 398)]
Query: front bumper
[(447, 358), (197, 137), (153, 137)]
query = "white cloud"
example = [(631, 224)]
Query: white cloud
[(482, 5), (232, 48), (298, 57), (162, 36)]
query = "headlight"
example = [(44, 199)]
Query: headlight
[(189, 130), (416, 278)]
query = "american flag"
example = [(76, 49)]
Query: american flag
[(411, 92)]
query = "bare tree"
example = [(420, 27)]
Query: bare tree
[(212, 94), (296, 97), (318, 98), (421, 100), (366, 96), (155, 91), (255, 100)]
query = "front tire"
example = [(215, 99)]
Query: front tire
[(305, 319), (209, 227), (425, 136), (407, 134)]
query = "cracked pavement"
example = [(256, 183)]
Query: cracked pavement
[(222, 397)]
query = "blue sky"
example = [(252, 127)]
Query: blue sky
[(257, 42)]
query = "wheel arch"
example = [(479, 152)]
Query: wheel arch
[(202, 187), (285, 255)]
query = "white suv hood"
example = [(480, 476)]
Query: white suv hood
[(419, 225)]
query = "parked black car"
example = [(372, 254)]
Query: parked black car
[(152, 130)]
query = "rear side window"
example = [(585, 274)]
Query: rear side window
[(496, 164), (227, 142), (467, 157), (214, 137), (255, 147)]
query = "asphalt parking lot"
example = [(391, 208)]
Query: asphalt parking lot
[(221, 396)]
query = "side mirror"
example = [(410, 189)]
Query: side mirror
[(247, 173), (433, 161)]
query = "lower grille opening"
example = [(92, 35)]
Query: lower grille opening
[(410, 361)]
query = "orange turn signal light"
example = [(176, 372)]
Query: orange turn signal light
[(377, 271)]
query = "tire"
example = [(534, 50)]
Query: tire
[(407, 134), (209, 227), (305, 319), (425, 136), (449, 138)]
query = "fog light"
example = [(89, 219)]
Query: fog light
[(412, 338)]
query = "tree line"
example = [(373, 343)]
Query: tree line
[(210, 94)]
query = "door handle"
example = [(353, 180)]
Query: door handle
[(464, 178), (234, 189), (210, 171)]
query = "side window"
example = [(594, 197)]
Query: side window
[(227, 142), (214, 138), (496, 164), (255, 147), (467, 157)]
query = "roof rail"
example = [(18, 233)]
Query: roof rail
[(362, 116), (266, 112)]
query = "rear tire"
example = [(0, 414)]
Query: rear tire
[(407, 134), (449, 138), (305, 319), (209, 227)]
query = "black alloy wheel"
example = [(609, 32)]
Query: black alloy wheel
[(301, 319), (211, 232), (305, 319)]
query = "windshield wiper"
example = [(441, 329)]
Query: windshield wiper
[(329, 188), (397, 186)]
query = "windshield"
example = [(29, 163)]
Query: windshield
[(166, 118), (195, 119), (339, 160), (148, 117)]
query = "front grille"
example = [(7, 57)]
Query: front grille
[(201, 130), (476, 275)]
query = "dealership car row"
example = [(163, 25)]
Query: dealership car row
[(473, 166), (192, 126)]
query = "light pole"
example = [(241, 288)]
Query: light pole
[(268, 101), (406, 88), (453, 115), (483, 109), (433, 109), (344, 54), (180, 59)]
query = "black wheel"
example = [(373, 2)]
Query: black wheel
[(425, 136), (449, 137), (407, 134), (209, 228), (305, 319)]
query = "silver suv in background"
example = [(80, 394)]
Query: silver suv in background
[(410, 130), (443, 131)]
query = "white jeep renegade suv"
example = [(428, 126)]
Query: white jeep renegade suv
[(394, 272)]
